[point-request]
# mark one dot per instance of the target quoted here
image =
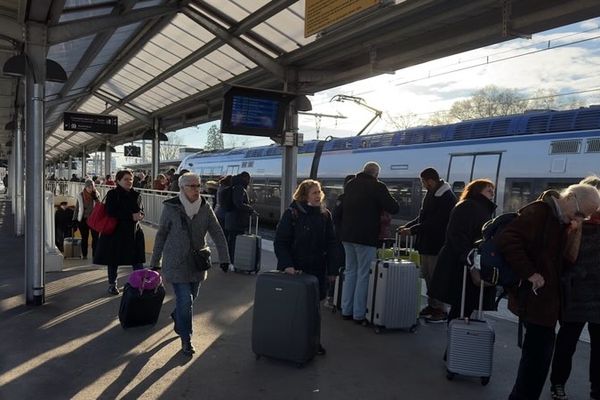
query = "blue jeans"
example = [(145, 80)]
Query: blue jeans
[(185, 294), (356, 279), (112, 272)]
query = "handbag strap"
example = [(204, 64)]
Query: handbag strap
[(188, 229)]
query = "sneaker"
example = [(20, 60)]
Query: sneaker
[(361, 322), (112, 289), (321, 350), (187, 348), (426, 312), (558, 392), (347, 317), (437, 317)]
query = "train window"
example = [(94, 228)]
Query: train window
[(403, 193), (517, 195), (565, 146), (593, 145), (458, 187)]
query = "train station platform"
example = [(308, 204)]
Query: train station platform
[(73, 347)]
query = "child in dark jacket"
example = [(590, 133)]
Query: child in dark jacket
[(305, 238)]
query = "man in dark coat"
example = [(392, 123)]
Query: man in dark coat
[(533, 245), (126, 245), (365, 198), (63, 224), (238, 217), (430, 228)]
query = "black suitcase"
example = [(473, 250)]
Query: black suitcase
[(286, 324), (139, 309)]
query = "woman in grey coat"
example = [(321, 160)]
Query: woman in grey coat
[(174, 245)]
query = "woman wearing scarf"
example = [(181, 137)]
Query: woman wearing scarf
[(184, 222)]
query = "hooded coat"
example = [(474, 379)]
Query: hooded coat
[(238, 218), (305, 240), (173, 243), (126, 245), (430, 226)]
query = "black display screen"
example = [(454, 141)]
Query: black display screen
[(248, 111)]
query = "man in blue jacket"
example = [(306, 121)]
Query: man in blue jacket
[(430, 228), (365, 198)]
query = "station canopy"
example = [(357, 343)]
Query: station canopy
[(143, 60)]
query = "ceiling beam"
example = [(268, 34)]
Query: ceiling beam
[(145, 118), (66, 31), (11, 29), (257, 56)]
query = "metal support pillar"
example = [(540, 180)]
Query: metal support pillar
[(156, 148), (289, 161), (107, 159), (70, 175), (83, 162), (11, 178), (19, 181)]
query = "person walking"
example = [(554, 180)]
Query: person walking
[(474, 208), (580, 305), (126, 244), (236, 219), (86, 200), (305, 239), (430, 230), (63, 224), (534, 244), (184, 223), (365, 197)]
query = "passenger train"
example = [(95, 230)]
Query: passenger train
[(524, 154)]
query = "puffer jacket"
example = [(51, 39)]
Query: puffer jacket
[(173, 245)]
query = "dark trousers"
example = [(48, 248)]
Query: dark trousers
[(85, 231), (231, 236), (112, 272), (536, 356), (566, 343)]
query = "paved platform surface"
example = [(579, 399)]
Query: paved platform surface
[(73, 347)]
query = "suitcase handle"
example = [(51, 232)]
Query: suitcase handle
[(250, 224), (462, 298)]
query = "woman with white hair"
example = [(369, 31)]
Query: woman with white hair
[(86, 200), (180, 241)]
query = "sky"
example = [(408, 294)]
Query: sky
[(566, 60)]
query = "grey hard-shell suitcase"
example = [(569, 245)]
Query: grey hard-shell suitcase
[(72, 247), (393, 299), (470, 348), (286, 324), (248, 251)]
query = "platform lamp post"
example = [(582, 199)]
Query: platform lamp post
[(33, 67)]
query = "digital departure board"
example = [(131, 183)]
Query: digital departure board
[(256, 112)]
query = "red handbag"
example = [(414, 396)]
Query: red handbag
[(100, 221)]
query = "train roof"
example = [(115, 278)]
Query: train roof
[(528, 123)]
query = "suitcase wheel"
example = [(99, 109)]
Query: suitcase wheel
[(485, 380), (413, 329), (451, 375), (378, 329)]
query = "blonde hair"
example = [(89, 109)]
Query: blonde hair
[(301, 193)]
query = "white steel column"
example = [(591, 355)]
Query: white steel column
[(156, 148), (19, 181), (107, 159)]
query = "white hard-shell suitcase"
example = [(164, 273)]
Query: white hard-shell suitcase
[(470, 348), (248, 251), (72, 247)]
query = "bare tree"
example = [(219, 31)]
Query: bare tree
[(441, 118), (235, 141), (170, 149), (489, 101), (403, 121)]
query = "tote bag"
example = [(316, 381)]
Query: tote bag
[(100, 221)]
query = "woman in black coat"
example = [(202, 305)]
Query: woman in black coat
[(305, 238), (126, 245), (475, 208)]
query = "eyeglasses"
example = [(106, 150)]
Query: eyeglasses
[(193, 186), (578, 212)]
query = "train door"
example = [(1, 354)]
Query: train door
[(464, 167)]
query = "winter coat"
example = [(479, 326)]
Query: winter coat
[(365, 198), (535, 242), (221, 208), (172, 242), (63, 220), (430, 225), (80, 211), (126, 245), (464, 229), (581, 281), (305, 240), (238, 218)]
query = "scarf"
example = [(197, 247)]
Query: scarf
[(191, 209), (87, 198)]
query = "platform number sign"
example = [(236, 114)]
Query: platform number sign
[(98, 123)]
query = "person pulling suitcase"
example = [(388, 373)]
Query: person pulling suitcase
[(305, 239)]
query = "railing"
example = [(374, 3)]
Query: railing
[(152, 200)]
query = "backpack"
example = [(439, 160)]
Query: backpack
[(494, 269)]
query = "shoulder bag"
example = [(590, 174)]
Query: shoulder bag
[(200, 257), (100, 221)]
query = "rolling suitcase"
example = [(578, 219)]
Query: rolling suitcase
[(248, 251), (286, 324), (141, 305), (72, 247), (470, 348), (393, 299)]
